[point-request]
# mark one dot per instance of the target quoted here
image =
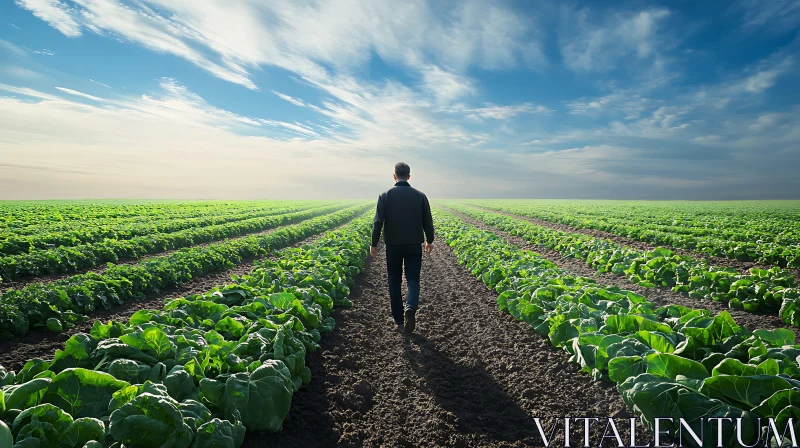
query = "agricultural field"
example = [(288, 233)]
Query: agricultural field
[(265, 323)]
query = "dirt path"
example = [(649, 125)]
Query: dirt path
[(741, 266), (14, 353), (470, 376), (660, 296)]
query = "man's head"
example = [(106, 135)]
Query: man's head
[(402, 172)]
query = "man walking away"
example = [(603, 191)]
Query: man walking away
[(403, 213)]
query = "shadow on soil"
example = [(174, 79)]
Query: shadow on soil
[(470, 393), (309, 423)]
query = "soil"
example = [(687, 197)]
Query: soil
[(470, 375), (42, 344), (659, 296), (741, 266)]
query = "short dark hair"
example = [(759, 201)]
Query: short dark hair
[(402, 171)]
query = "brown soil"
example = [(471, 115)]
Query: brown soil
[(41, 344), (659, 296), (471, 375), (741, 266)]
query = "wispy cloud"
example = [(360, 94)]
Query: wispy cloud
[(144, 27), (765, 75), (597, 46), (504, 112), (56, 13), (21, 73), (296, 128), (100, 83), (446, 86), (707, 138), (14, 49), (773, 16), (165, 145), (551, 99), (81, 94), (28, 92), (291, 99), (767, 121), (305, 38), (630, 103)]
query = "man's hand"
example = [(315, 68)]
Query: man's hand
[(428, 247), (373, 251)]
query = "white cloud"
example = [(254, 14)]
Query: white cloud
[(765, 77), (100, 83), (80, 94), (172, 104), (291, 99), (431, 53), (21, 73), (172, 143), (588, 46), (707, 138), (753, 80), (326, 44), (230, 40), (56, 13), (487, 34), (295, 128), (773, 16), (541, 143), (446, 86), (631, 104), (506, 112), (390, 122), (767, 121), (91, 151), (25, 91), (12, 48), (143, 27)]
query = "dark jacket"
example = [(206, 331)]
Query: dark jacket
[(403, 212)]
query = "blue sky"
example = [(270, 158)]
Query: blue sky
[(247, 99)]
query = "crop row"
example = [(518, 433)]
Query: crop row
[(766, 220), (59, 304), (85, 232), (669, 362), (198, 373), (771, 290), (738, 243), (19, 216), (770, 229), (72, 259)]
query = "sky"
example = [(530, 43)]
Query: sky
[(319, 99)]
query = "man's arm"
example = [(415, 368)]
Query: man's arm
[(380, 217), (427, 220)]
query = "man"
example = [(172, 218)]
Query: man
[(403, 213)]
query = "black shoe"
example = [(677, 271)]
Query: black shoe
[(410, 320)]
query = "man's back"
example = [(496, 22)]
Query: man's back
[(405, 213)]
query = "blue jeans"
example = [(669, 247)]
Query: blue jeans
[(396, 256)]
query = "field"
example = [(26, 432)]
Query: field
[(265, 323)]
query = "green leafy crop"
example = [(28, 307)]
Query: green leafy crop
[(201, 371), (670, 362)]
